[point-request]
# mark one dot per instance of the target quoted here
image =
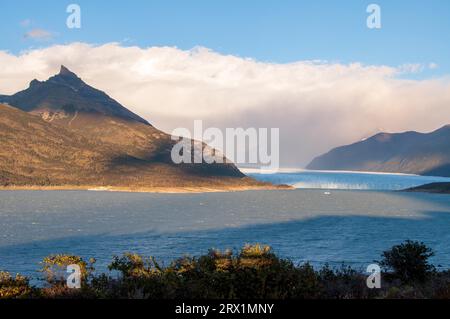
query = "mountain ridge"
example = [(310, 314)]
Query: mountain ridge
[(119, 148), (408, 152), (67, 92)]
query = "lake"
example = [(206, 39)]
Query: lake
[(333, 226), (345, 180)]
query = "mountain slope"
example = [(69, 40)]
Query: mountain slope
[(66, 100), (409, 152), (439, 188), (93, 140), (64, 94), (37, 153)]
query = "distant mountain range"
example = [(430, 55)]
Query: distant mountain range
[(409, 152), (65, 132)]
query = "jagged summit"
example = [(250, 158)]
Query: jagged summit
[(35, 82), (62, 77), (65, 71), (68, 78), (64, 91)]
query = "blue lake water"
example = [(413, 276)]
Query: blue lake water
[(347, 180), (336, 226)]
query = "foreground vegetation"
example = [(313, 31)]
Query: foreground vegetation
[(252, 273)]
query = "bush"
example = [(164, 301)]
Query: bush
[(344, 283), (408, 261), (55, 272), (140, 278), (55, 267), (254, 272), (14, 287), (134, 266)]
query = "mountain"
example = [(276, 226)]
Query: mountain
[(64, 94), (66, 100), (65, 132), (439, 188), (35, 152), (409, 152)]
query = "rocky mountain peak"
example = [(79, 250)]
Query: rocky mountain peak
[(65, 71)]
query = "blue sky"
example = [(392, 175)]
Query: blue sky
[(273, 31), (332, 103)]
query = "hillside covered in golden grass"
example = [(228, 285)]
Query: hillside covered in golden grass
[(62, 133)]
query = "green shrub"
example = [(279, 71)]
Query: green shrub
[(344, 283), (140, 278), (408, 261)]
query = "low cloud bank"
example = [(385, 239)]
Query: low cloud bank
[(316, 104)]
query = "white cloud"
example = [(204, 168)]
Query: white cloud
[(39, 35), (316, 105), (412, 68)]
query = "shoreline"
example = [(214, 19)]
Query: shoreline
[(156, 190), (431, 188)]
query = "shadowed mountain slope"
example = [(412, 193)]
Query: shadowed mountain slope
[(68, 133), (409, 152), (440, 188)]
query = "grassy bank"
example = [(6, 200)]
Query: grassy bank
[(255, 272)]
